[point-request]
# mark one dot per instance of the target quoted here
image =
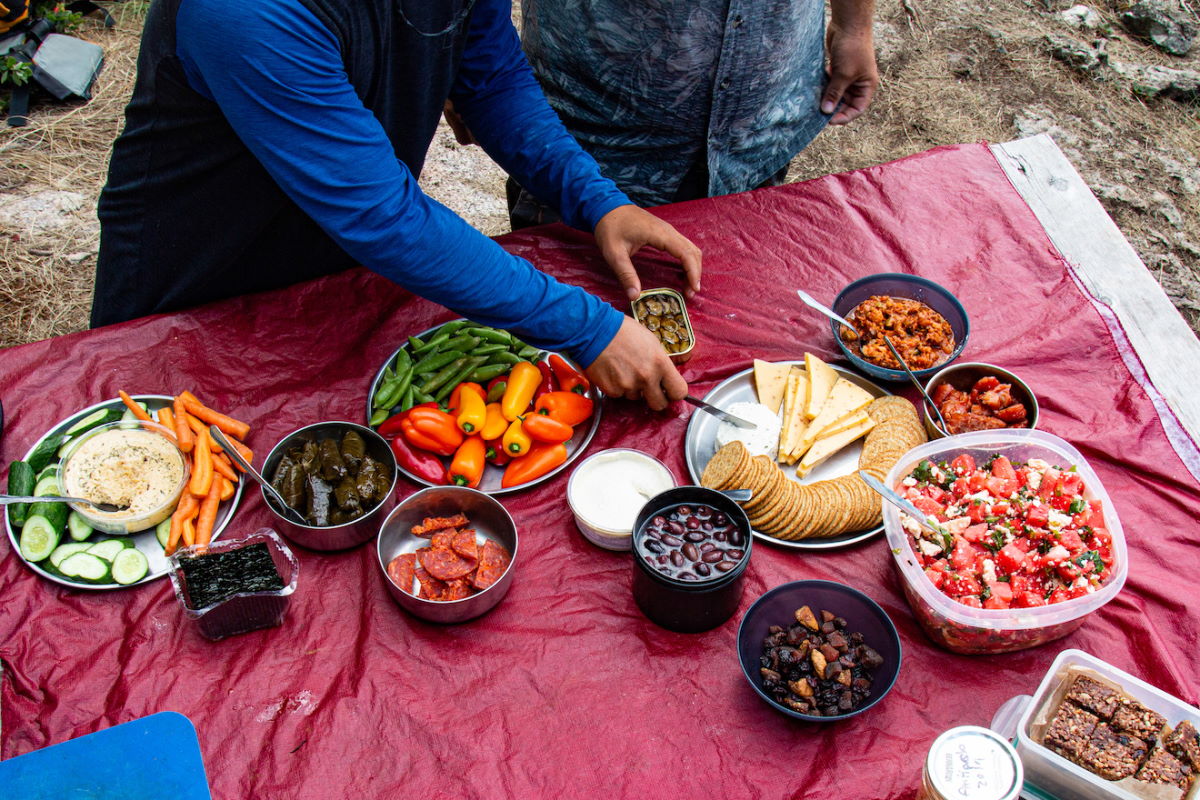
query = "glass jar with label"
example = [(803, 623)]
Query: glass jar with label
[(971, 763)]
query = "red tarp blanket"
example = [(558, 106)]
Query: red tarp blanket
[(565, 689)]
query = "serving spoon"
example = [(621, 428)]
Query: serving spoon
[(920, 517), (219, 437), (8, 499), (811, 302)]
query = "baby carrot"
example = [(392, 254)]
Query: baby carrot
[(185, 510), (208, 511), (137, 410), (220, 463), (183, 433), (229, 425), (227, 489), (202, 469), (166, 418)]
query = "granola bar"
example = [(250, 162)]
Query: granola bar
[(1134, 718), (1184, 744), (1070, 730), (1094, 696), (1162, 767), (1112, 755)]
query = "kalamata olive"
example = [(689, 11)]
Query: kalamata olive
[(691, 552), (707, 526), (735, 537), (659, 521), (703, 569), (704, 512), (692, 523), (736, 555), (720, 519), (673, 541), (694, 536), (677, 558), (719, 536), (683, 511), (724, 566), (687, 576), (675, 527), (704, 548), (662, 560), (653, 546), (712, 556), (652, 532)]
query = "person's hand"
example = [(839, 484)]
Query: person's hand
[(626, 229), (462, 134), (635, 365), (853, 74)]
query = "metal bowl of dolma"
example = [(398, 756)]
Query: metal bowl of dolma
[(340, 476)]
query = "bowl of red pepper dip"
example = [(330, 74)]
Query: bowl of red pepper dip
[(924, 321), (324, 488), (974, 396), (409, 546)]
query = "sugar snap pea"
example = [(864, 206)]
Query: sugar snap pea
[(432, 345), (435, 361), (529, 353), (491, 334), (454, 326), (414, 344), (489, 371), (377, 417), (496, 392), (463, 343), (406, 401), (421, 397), (504, 357), (458, 377), (403, 361), (488, 349), (435, 381)]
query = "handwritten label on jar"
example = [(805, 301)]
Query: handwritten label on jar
[(971, 762)]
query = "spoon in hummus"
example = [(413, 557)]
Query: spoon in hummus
[(6, 499)]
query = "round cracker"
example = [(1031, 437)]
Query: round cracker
[(725, 463)]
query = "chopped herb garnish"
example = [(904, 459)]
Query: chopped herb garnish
[(1091, 557), (924, 471), (1077, 505)]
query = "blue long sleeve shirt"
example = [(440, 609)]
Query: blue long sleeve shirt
[(277, 74)]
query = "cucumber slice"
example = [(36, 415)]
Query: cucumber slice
[(38, 538), (51, 469), (94, 420), (77, 527), (20, 482), (131, 420), (43, 454), (48, 487), (64, 448), (63, 550), (130, 566), (55, 515), (107, 549), (162, 532), (85, 567)]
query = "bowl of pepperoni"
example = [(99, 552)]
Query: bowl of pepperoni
[(924, 321), (1029, 544), (447, 553), (979, 397)]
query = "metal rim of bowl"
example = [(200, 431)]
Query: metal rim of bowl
[(886, 373), (1008, 375), (583, 462), (447, 603), (870, 604), (737, 516), (327, 528)]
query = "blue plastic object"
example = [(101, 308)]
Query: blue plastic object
[(150, 758), (912, 287)]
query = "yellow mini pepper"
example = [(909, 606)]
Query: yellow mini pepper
[(495, 424), (522, 383), (472, 409), (516, 442)]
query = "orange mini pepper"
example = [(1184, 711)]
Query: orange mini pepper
[(569, 378), (472, 409), (568, 408), (431, 429), (544, 428), (495, 424), (540, 459), (467, 467)]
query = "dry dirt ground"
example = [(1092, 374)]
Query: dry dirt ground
[(953, 71)]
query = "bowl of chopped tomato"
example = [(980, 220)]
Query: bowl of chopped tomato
[(924, 321), (1028, 544), (975, 396)]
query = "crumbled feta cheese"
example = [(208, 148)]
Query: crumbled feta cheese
[(1057, 553), (909, 481), (928, 547), (1058, 520), (958, 524), (910, 524), (989, 570), (1034, 479)]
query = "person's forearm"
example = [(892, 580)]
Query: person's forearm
[(852, 16)]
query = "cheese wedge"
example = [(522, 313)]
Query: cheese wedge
[(770, 380), (794, 396), (845, 400), (821, 378), (824, 448), (799, 425), (849, 422)]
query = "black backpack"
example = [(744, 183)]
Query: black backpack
[(62, 65)]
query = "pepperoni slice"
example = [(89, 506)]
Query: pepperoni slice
[(402, 570), (458, 589), (431, 587), (493, 560), (465, 545), (445, 564), (430, 525)]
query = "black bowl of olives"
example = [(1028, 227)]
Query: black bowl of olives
[(339, 476), (818, 650)]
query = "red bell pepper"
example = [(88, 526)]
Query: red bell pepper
[(390, 427), (569, 378), (568, 408), (420, 463), (432, 429), (548, 383)]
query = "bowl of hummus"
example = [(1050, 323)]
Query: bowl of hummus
[(134, 465)]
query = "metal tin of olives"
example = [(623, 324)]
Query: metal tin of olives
[(691, 546), (664, 313)]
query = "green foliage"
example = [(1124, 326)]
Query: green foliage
[(14, 71), (64, 21)]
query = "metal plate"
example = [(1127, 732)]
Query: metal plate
[(490, 483), (701, 438), (145, 541)]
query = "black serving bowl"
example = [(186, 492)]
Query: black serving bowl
[(688, 606), (862, 615)]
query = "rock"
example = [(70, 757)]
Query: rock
[(39, 211), (1120, 195), (1156, 81), (962, 65), (889, 43), (1162, 205), (1082, 17), (1083, 57), (1161, 23)]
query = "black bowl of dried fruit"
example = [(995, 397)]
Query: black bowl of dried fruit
[(818, 650)]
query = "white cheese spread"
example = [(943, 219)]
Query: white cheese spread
[(610, 488)]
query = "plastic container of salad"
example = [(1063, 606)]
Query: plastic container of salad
[(966, 629), (1050, 772)]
